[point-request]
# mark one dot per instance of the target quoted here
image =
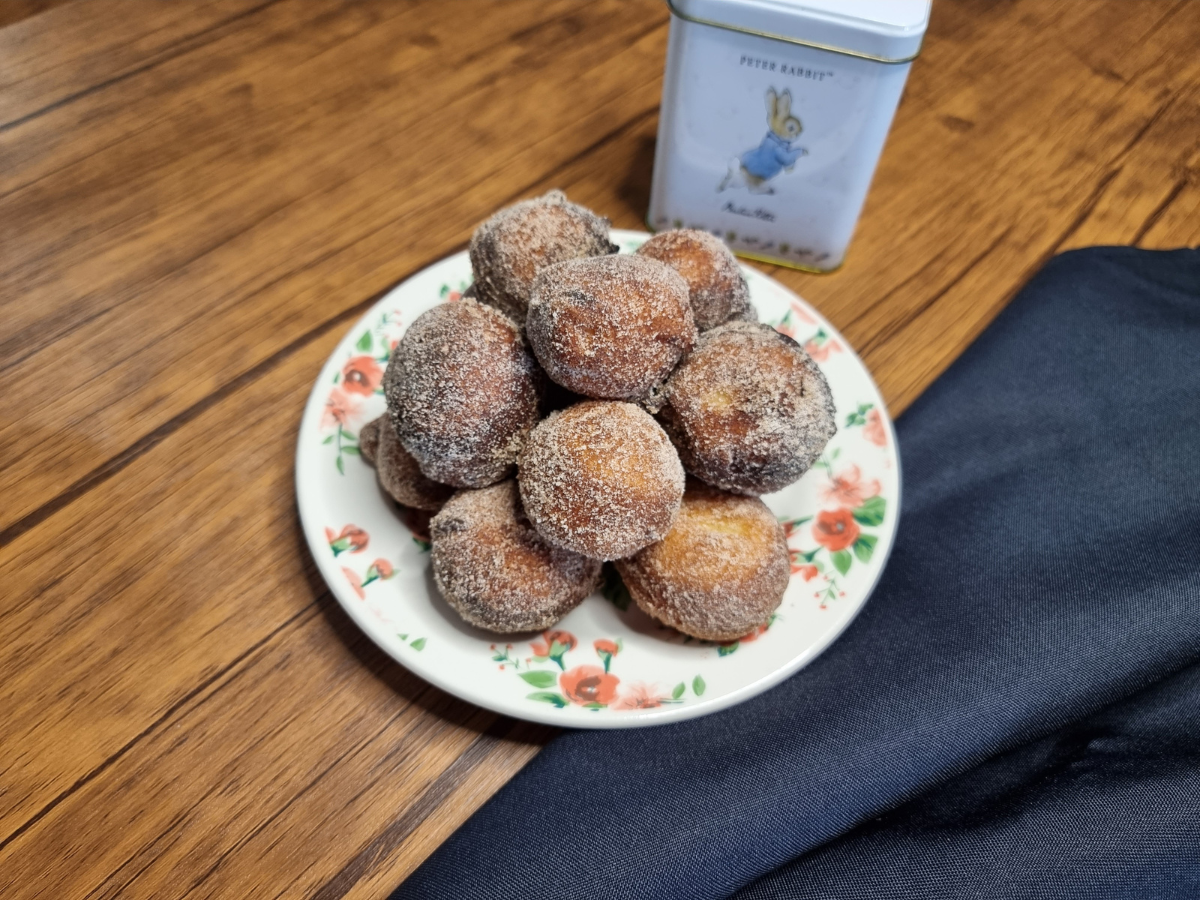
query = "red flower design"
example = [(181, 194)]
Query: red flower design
[(606, 646), (807, 571), (351, 539), (340, 409), (589, 684), (384, 568), (565, 639), (640, 696), (820, 352), (755, 634), (873, 431), (355, 582), (362, 375), (848, 489), (835, 529)]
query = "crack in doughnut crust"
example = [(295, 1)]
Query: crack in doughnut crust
[(720, 571), (463, 391), (509, 249), (715, 283), (601, 479), (748, 410), (496, 571), (398, 472), (610, 327)]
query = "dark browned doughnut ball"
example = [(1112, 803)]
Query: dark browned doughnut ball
[(601, 479), (610, 327), (715, 282), (496, 571), (748, 410), (463, 391), (720, 571), (509, 249), (398, 472)]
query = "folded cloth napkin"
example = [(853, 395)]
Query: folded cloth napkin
[(1016, 710)]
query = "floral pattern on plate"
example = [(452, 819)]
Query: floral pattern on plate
[(606, 664)]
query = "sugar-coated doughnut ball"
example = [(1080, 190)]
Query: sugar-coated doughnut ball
[(463, 391), (715, 283), (748, 410), (398, 472), (601, 479), (610, 327), (509, 249), (496, 571), (720, 571)]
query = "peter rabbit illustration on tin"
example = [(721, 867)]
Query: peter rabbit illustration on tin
[(754, 168)]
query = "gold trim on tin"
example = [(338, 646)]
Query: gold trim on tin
[(790, 40), (786, 263)]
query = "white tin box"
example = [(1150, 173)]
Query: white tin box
[(774, 114)]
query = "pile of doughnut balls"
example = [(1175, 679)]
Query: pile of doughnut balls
[(577, 406)]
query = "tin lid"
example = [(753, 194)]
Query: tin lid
[(883, 30)]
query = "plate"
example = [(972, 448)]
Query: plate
[(606, 664)]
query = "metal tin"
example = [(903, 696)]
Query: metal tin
[(774, 116)]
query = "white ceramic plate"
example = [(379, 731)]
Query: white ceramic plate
[(606, 665)]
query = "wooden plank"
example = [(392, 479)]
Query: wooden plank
[(306, 240), (71, 52), (308, 743), (13, 11)]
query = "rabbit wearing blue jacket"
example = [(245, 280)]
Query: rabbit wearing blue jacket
[(754, 168)]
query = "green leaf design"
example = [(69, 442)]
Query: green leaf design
[(418, 644), (842, 560), (726, 649), (364, 343), (678, 692), (539, 679), (698, 686), (871, 512), (865, 546), (328, 440), (403, 637), (548, 697), (353, 451), (341, 466)]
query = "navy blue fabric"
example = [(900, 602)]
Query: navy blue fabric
[(1016, 711)]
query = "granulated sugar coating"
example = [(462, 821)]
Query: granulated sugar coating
[(749, 410), (601, 479), (509, 249), (463, 391), (715, 283), (610, 327), (497, 571), (721, 570), (398, 472)]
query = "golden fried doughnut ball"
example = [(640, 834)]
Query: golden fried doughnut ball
[(398, 472), (601, 479), (610, 327), (509, 249), (496, 571), (463, 391), (721, 570), (749, 410), (715, 283)]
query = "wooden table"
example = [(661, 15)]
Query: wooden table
[(197, 199)]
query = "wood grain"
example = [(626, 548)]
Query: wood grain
[(196, 200)]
